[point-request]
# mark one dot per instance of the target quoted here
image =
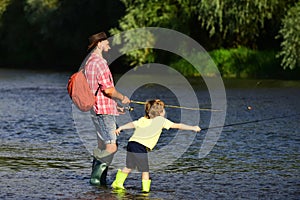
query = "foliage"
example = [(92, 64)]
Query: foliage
[(54, 33), (39, 12), (156, 13), (134, 40), (245, 62), (235, 62), (230, 23), (3, 5), (239, 21), (290, 32), (174, 14), (36, 33)]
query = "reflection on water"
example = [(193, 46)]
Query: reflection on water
[(42, 156)]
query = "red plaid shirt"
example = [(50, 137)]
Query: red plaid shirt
[(98, 74)]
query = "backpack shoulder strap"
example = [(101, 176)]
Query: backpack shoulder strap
[(83, 70)]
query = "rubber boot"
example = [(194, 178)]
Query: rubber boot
[(146, 185), (103, 177), (119, 181), (97, 169)]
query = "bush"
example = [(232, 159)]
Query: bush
[(243, 62), (202, 65), (238, 62)]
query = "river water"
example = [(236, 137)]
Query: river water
[(257, 155)]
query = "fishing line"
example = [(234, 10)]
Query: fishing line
[(207, 109), (180, 107), (250, 122)]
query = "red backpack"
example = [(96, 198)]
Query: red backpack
[(80, 92)]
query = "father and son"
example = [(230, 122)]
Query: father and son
[(147, 129)]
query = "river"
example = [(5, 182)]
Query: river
[(257, 155)]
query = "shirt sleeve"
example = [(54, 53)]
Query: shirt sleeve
[(168, 124), (104, 76), (135, 123)]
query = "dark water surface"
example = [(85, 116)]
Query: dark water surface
[(256, 157)]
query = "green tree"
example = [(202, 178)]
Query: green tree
[(229, 23), (290, 32), (47, 33), (155, 13), (3, 5), (239, 22)]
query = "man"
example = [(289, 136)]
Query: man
[(105, 109)]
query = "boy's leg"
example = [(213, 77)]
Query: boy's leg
[(146, 182), (122, 174), (145, 176), (120, 178), (137, 156), (126, 170)]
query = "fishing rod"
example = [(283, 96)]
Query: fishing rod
[(180, 107), (250, 122), (129, 108)]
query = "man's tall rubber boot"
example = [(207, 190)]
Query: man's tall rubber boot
[(104, 157), (119, 181), (97, 169), (146, 185), (103, 177)]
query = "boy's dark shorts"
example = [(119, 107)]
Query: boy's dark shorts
[(137, 157)]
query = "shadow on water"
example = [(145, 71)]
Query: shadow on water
[(256, 157)]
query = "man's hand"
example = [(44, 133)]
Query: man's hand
[(125, 100), (121, 110)]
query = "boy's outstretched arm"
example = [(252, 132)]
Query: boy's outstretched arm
[(129, 125), (186, 127)]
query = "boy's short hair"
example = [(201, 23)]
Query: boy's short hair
[(154, 108)]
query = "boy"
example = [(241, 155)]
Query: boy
[(147, 132)]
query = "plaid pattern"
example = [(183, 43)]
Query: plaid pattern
[(97, 73)]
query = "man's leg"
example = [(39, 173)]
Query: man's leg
[(103, 154), (98, 169)]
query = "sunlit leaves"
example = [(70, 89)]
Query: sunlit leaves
[(290, 33), (3, 5), (39, 9), (239, 23), (156, 13), (239, 20)]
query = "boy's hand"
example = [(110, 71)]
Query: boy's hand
[(196, 129), (118, 131)]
